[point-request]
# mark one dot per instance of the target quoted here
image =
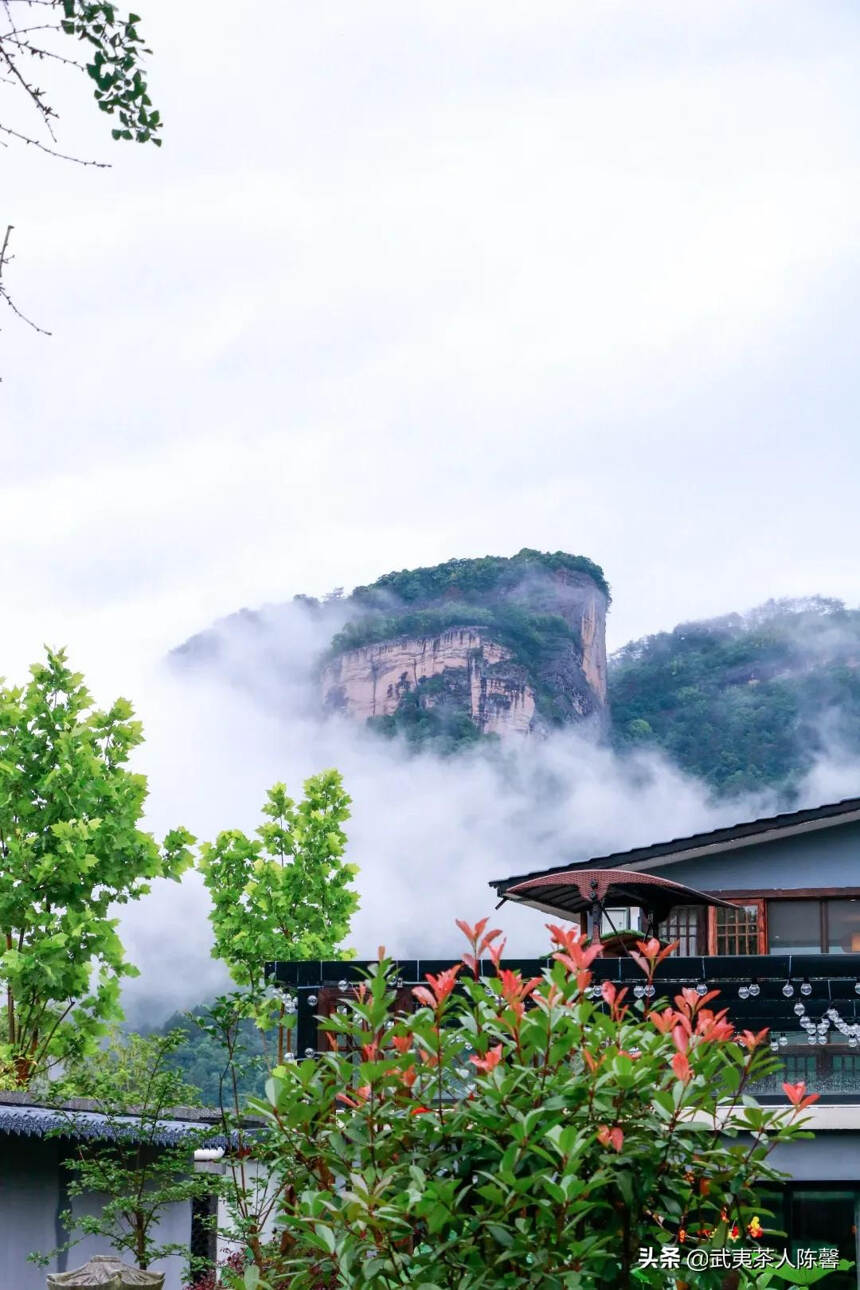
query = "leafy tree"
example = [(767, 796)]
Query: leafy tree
[(518, 1132), (285, 893), (113, 63), (71, 848), (745, 702), (138, 1174), (205, 1058)]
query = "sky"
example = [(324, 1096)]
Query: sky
[(413, 282)]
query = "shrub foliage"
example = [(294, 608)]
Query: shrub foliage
[(515, 1132)]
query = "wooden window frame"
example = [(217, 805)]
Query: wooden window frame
[(761, 928), (701, 929)]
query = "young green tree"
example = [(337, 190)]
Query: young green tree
[(137, 1173), (255, 1170), (285, 893), (70, 849)]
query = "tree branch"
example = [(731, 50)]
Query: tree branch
[(5, 259)]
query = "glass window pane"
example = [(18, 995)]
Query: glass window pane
[(845, 1077), (618, 920), (801, 1066), (843, 926), (686, 925), (824, 1219), (793, 927), (737, 930)]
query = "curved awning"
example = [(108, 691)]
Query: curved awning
[(578, 891)]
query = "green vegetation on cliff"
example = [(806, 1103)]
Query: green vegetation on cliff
[(529, 635), (744, 702), (459, 578), (425, 715), (431, 717), (523, 603)]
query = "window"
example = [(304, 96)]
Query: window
[(739, 930), (793, 927), (686, 925), (801, 1066), (618, 920), (825, 1218), (845, 1070), (843, 926), (814, 926)]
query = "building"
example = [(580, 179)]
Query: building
[(36, 1143), (784, 949), (777, 931)]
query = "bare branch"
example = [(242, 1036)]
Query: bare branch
[(52, 152), (113, 61), (5, 259)]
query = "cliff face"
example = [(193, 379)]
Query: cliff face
[(463, 666), (513, 654), (502, 646)]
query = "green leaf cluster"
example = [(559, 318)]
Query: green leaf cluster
[(511, 1134), (116, 66), (490, 573), (71, 850), (287, 892)]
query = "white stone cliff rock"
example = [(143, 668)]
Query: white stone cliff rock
[(476, 673), (371, 681)]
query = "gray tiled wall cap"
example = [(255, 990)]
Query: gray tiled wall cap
[(108, 1272)]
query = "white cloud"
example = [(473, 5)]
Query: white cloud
[(428, 833)]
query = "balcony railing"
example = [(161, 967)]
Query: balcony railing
[(810, 1003)]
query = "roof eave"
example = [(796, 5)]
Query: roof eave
[(716, 842)]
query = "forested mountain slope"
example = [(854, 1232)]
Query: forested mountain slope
[(745, 701)]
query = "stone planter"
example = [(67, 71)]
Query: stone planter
[(108, 1272)]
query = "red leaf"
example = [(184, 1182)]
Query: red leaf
[(488, 1063), (610, 1137), (681, 1067)]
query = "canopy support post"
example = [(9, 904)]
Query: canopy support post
[(594, 912)]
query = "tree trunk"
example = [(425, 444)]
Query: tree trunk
[(140, 1240), (10, 1002)]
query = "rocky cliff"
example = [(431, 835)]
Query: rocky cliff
[(474, 647), (462, 665)]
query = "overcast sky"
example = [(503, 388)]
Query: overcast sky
[(409, 282)]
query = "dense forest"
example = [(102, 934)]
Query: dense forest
[(745, 701), (202, 1059), (484, 576)]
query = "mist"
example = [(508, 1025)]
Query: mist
[(240, 710)]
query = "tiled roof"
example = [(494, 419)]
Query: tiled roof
[(747, 832), (21, 1115)]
